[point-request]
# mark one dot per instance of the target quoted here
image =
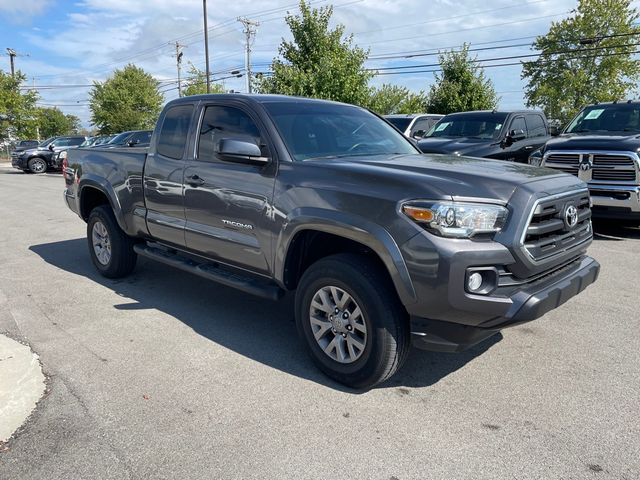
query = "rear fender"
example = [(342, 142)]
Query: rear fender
[(98, 183)]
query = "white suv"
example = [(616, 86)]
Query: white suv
[(413, 125)]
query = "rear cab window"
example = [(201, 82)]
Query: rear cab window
[(174, 132)]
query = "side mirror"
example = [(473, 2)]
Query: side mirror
[(240, 151), (51, 147), (517, 135), (554, 131), (133, 143), (419, 133)]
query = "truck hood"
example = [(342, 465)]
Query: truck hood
[(440, 176), (619, 142), (458, 145)]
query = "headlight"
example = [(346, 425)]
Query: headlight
[(456, 219), (535, 158), (62, 155)]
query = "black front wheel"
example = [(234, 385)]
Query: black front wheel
[(110, 248), (352, 321), (37, 165)]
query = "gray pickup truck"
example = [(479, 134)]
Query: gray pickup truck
[(382, 245)]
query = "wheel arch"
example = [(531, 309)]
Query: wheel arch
[(93, 193), (314, 234)]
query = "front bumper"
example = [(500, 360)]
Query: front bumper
[(615, 201), (19, 163), (526, 304)]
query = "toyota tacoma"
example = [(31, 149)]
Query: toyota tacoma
[(382, 245)]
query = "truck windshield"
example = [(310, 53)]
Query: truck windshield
[(618, 117), (120, 138), (401, 123), (325, 130), (47, 142), (485, 125)]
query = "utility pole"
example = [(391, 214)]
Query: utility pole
[(206, 45), (33, 80), (12, 54), (178, 56), (249, 30)]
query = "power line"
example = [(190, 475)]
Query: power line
[(551, 60), (513, 57)]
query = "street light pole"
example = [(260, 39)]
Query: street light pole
[(206, 45)]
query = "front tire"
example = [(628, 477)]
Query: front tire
[(37, 165), (111, 249), (352, 321)]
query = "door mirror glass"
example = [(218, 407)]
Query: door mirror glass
[(240, 151), (517, 135), (419, 133)]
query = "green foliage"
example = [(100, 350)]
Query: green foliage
[(462, 85), (319, 62), (128, 100), (17, 119), (390, 99), (586, 58), (53, 122), (196, 83)]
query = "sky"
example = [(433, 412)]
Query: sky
[(64, 46)]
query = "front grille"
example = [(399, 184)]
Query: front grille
[(598, 167), (549, 232)]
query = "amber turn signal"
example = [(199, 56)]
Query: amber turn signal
[(418, 214)]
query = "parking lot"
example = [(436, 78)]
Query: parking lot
[(165, 375)]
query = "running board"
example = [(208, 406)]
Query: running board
[(210, 271)]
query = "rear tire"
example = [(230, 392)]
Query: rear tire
[(37, 165), (111, 249), (353, 323)]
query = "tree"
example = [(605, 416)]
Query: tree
[(318, 62), (196, 83), (461, 86), (53, 122), (128, 100), (390, 99), (586, 58), (17, 109)]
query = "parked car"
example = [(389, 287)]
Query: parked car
[(510, 136), (135, 138), (23, 145), (60, 155), (382, 244), (102, 139), (600, 146), (413, 125), (40, 158)]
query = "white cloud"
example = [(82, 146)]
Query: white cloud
[(100, 35)]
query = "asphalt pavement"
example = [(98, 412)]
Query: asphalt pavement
[(164, 375)]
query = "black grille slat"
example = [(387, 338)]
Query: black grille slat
[(547, 233)]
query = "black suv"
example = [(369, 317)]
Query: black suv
[(510, 136), (40, 158)]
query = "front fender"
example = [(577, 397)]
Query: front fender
[(353, 228)]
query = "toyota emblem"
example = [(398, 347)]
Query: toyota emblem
[(571, 216)]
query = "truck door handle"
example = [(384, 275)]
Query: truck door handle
[(195, 181), (529, 147)]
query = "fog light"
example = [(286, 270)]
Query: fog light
[(474, 282)]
